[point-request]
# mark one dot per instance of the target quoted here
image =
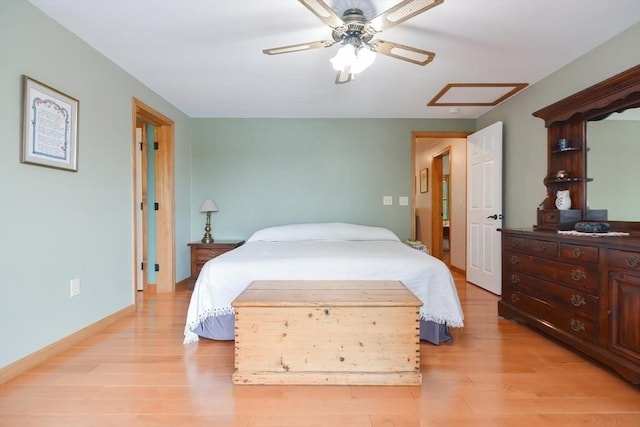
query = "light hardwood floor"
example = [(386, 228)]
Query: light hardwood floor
[(138, 373)]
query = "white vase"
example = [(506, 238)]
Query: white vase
[(563, 200)]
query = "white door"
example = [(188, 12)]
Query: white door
[(484, 208)]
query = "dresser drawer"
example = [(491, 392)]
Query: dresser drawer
[(576, 326), (569, 300), (543, 247), (579, 252), (515, 243), (623, 259), (584, 277), (204, 255), (550, 218)]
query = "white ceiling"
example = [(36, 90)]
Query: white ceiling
[(205, 57)]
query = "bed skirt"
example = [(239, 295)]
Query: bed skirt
[(222, 328)]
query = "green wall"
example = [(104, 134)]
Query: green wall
[(265, 172), (58, 225)]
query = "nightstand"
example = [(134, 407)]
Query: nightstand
[(203, 252)]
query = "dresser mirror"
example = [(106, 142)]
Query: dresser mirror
[(613, 159)]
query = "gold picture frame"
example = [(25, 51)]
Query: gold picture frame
[(49, 127), (424, 180)]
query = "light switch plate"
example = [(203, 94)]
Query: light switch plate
[(75, 287), (403, 201), (387, 200)]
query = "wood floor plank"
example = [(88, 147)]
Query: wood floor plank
[(137, 372)]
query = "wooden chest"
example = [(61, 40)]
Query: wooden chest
[(327, 332)]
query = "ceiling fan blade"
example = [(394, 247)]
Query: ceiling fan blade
[(343, 77), (400, 51), (401, 12), (324, 12), (299, 47)]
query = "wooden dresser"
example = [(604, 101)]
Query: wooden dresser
[(584, 291), (203, 252)]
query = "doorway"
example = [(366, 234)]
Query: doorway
[(444, 198), (153, 130)]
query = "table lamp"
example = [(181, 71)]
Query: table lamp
[(208, 206)]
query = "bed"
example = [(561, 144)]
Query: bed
[(322, 251)]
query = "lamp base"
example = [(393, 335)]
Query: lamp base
[(207, 230)]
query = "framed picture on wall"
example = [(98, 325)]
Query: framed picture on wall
[(424, 180), (49, 127)]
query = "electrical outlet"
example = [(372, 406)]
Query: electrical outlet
[(403, 201), (75, 287), (387, 200)]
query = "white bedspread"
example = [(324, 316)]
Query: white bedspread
[(223, 278)]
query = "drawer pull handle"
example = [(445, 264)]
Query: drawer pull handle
[(515, 297), (515, 243), (578, 275), (538, 248), (577, 300), (515, 259), (577, 325), (632, 261), (577, 252), (515, 278)]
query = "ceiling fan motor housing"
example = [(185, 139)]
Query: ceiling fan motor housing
[(355, 30)]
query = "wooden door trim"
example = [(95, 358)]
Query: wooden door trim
[(165, 195), (436, 205)]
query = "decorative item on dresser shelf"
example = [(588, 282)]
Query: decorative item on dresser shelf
[(562, 174), (563, 200), (563, 144), (203, 252), (208, 206)]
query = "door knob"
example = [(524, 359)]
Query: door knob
[(495, 216)]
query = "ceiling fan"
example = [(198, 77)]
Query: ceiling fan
[(355, 33)]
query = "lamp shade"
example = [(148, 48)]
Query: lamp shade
[(208, 205)]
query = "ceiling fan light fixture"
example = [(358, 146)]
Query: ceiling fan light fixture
[(355, 33), (344, 58), (353, 59)]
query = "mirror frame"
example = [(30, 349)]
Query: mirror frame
[(568, 118)]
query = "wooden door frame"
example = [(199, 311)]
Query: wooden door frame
[(165, 196), (437, 173)]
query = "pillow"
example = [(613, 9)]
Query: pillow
[(322, 231)]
